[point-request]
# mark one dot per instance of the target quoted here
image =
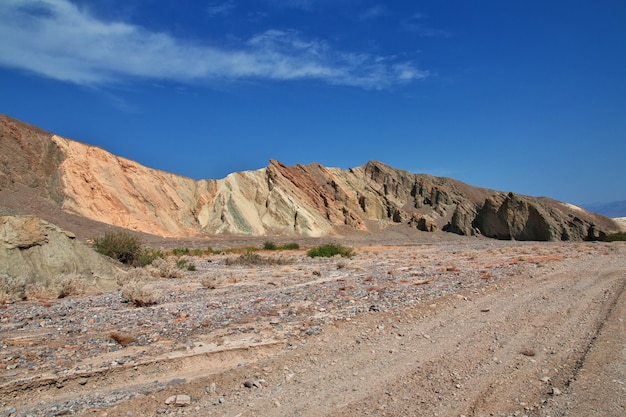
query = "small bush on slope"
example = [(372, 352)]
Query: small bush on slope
[(121, 246)]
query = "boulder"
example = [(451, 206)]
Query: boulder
[(36, 251)]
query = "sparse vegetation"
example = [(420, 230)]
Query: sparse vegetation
[(137, 289), (121, 246), (149, 255), (180, 251), (615, 237), (211, 281), (252, 258), (11, 289), (273, 246), (269, 246), (184, 263), (31, 288), (329, 250)]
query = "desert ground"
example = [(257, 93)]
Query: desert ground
[(465, 327)]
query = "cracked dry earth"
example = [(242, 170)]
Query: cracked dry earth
[(464, 328)]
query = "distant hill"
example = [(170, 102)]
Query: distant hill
[(613, 209), (71, 184)]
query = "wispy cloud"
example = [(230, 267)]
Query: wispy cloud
[(59, 40), (373, 12), (416, 24), (221, 8)]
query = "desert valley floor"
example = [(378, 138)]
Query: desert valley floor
[(470, 327)]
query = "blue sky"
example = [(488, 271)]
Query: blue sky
[(523, 96)]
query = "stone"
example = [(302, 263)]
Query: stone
[(179, 400)]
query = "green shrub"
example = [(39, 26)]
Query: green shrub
[(272, 246), (184, 263), (329, 250), (149, 255), (615, 237), (121, 246), (180, 251), (269, 246)]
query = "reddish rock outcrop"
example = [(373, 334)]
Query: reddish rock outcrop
[(306, 200)]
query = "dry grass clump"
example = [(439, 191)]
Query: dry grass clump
[(162, 268), (251, 258), (137, 289), (34, 288), (11, 288), (211, 281)]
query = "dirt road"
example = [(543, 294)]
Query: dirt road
[(538, 331)]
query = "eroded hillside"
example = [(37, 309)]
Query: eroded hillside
[(301, 200)]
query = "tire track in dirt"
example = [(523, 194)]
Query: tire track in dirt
[(490, 348), (499, 349), (496, 366)]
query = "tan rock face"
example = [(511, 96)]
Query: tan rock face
[(34, 249), (306, 200)]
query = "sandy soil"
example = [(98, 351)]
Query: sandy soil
[(464, 328)]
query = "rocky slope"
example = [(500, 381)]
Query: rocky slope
[(300, 200)]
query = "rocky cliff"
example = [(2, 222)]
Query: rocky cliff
[(301, 200)]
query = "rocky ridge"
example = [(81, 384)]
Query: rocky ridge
[(301, 200)]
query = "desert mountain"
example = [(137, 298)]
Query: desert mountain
[(45, 174)]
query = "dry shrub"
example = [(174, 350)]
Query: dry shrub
[(14, 289), (11, 288), (250, 258), (37, 291), (165, 269), (211, 281), (137, 289), (71, 284), (123, 339)]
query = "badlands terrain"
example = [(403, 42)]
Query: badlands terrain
[(458, 301)]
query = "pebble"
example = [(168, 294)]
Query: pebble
[(179, 400)]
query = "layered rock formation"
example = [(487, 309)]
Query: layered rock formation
[(302, 200), (37, 251)]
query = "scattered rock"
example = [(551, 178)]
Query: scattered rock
[(179, 400)]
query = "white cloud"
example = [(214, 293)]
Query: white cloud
[(59, 40)]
